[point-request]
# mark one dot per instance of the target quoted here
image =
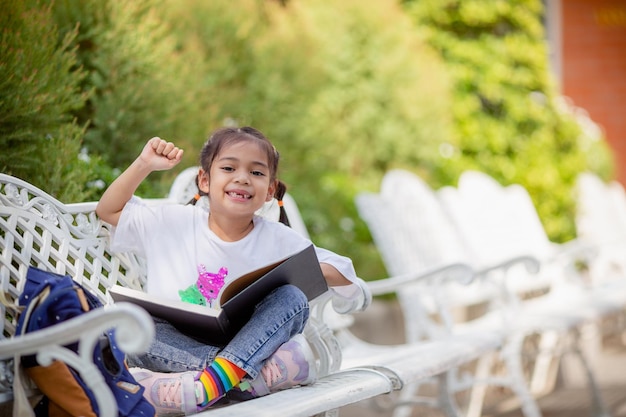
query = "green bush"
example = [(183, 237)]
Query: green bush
[(138, 78), (343, 102), (345, 90), (39, 89), (507, 114)]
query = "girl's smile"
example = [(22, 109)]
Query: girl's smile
[(239, 195)]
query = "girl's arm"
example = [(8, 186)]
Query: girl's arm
[(334, 278), (157, 155)]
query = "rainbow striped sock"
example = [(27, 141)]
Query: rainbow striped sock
[(218, 378)]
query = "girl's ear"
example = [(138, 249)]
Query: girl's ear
[(203, 181), (271, 190)]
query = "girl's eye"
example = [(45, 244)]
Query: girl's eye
[(258, 173), (228, 169)]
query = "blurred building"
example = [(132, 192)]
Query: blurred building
[(588, 55)]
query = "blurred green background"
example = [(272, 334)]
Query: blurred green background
[(345, 90)]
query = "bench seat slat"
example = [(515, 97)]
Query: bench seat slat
[(330, 392)]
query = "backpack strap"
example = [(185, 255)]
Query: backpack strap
[(21, 404)]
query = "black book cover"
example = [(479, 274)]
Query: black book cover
[(237, 299)]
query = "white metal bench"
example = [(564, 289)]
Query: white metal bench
[(410, 238), (502, 222), (38, 230), (422, 229)]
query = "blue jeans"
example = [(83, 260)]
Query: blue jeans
[(276, 319)]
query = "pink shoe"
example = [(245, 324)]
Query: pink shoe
[(177, 393), (292, 364)]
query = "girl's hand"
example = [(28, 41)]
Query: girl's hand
[(157, 155), (160, 155)]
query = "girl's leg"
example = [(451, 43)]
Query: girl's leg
[(172, 351), (292, 364), (280, 316)]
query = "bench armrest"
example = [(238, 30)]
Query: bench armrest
[(459, 272), (134, 333)]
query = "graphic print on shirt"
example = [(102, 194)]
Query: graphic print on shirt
[(207, 287)]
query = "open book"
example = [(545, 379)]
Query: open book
[(237, 298)]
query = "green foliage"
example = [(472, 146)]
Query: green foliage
[(370, 97), (216, 39), (508, 118), (39, 88), (381, 101), (345, 90), (137, 77)]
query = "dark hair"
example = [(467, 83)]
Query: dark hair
[(229, 135)]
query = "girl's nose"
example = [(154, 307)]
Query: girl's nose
[(242, 177)]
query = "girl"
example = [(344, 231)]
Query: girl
[(180, 243)]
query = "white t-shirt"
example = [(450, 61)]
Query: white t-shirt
[(178, 246)]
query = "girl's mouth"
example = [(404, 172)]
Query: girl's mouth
[(235, 194)]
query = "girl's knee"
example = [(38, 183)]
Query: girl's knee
[(292, 295), (288, 304)]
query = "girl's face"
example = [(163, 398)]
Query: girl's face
[(239, 181)]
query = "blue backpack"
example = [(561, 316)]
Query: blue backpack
[(48, 299)]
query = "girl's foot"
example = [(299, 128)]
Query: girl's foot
[(292, 364), (177, 393)]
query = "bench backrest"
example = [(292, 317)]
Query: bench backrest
[(601, 224), (36, 229), (498, 222), (601, 210), (413, 235), (417, 229)]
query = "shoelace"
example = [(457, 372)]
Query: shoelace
[(169, 393), (272, 372)]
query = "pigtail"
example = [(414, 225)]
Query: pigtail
[(197, 196), (281, 189)]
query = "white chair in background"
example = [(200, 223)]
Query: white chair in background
[(412, 234), (501, 222), (416, 228)]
